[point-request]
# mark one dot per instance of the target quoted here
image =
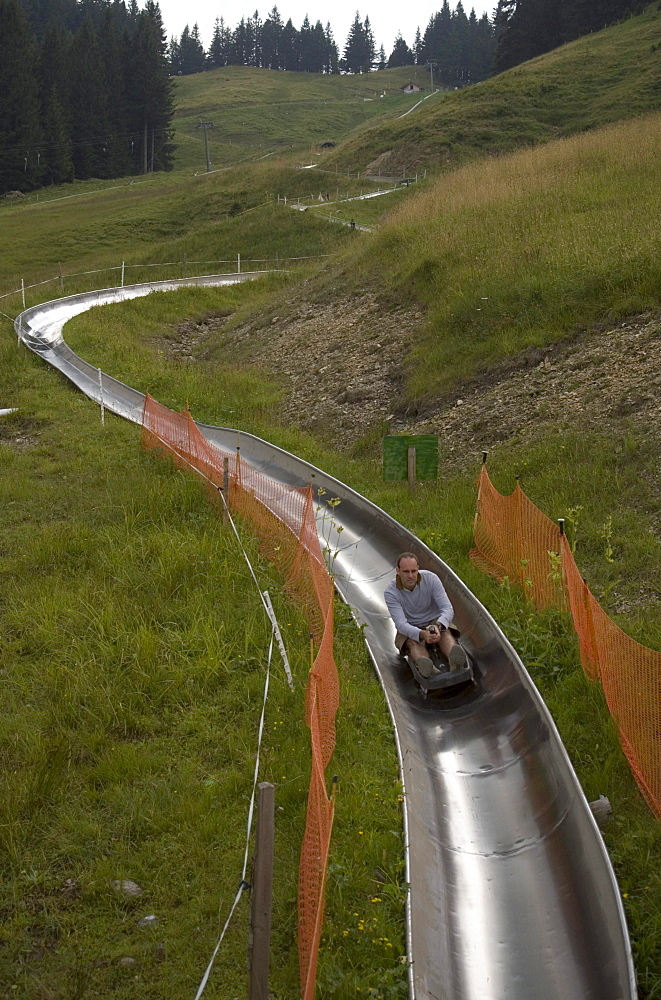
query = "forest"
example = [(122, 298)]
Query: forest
[(460, 46), (86, 92)]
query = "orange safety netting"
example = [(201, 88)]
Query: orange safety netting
[(283, 518), (514, 539)]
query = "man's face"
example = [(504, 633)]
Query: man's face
[(407, 571)]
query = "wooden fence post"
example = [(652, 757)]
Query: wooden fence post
[(262, 894)]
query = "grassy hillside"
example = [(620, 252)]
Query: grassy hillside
[(520, 251), (258, 113), (130, 648), (606, 77), (165, 217)]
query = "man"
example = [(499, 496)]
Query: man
[(422, 613)]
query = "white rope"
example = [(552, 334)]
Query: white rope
[(243, 885), (167, 263), (264, 596)]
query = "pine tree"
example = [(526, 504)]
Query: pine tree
[(19, 103), (401, 54), (174, 56), (359, 47), (118, 161), (289, 47), (151, 104), (418, 53), (370, 44), (272, 40), (90, 125), (191, 52), (53, 73), (332, 54)]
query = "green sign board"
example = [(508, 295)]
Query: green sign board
[(395, 456)]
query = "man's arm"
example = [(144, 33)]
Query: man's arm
[(396, 612), (446, 611)]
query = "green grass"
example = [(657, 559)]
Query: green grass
[(132, 653), (558, 473), (520, 251), (131, 644), (603, 78), (266, 112)]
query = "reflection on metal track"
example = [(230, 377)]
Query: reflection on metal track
[(512, 895)]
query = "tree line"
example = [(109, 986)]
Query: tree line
[(86, 91), (528, 28), (462, 47)]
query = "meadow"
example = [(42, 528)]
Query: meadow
[(132, 645)]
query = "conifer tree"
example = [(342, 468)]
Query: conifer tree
[(289, 47), (359, 47), (19, 102), (190, 52), (90, 125), (332, 55), (53, 70), (271, 40), (401, 54), (150, 98)]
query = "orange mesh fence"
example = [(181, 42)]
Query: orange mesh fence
[(283, 518), (514, 539)]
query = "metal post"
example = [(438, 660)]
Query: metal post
[(23, 291), (262, 894), (103, 413), (206, 126), (411, 463), (484, 457), (238, 263)]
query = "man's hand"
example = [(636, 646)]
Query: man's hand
[(431, 635)]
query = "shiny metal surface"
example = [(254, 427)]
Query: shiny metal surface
[(512, 895)]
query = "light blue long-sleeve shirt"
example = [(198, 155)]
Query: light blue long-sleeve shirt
[(411, 610)]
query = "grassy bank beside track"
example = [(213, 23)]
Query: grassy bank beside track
[(616, 547), (132, 653), (169, 217)]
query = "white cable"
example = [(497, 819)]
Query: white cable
[(251, 809), (264, 596)]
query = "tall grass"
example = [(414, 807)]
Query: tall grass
[(522, 250), (132, 652)]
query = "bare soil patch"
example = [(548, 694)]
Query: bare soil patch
[(19, 433)]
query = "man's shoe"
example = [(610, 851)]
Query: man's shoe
[(426, 668), (457, 658)]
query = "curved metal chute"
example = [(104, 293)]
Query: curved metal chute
[(512, 894)]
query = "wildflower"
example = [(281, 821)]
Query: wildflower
[(376, 899)]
